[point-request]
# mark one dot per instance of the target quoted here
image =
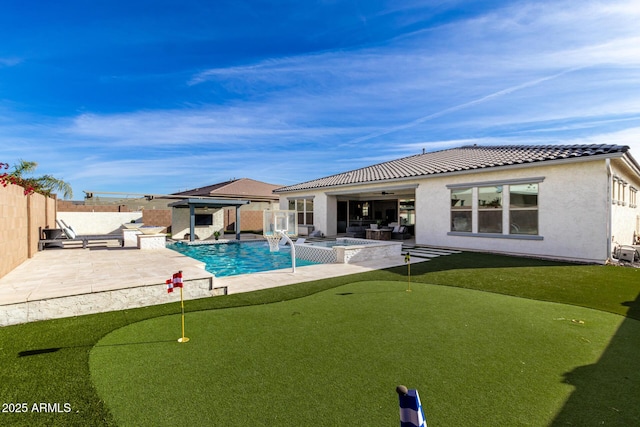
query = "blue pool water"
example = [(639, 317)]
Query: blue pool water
[(230, 259)]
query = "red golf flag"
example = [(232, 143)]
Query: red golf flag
[(177, 280), (174, 282)]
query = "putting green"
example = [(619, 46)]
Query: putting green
[(335, 358)]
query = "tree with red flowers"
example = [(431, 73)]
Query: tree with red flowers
[(45, 184)]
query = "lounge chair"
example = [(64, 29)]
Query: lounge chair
[(285, 242), (356, 231), (400, 232), (71, 236)]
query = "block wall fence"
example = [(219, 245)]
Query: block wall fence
[(69, 206), (22, 219), (160, 217), (250, 220)]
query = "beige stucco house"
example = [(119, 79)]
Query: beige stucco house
[(566, 202)]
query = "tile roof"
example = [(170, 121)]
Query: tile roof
[(457, 160), (244, 188)]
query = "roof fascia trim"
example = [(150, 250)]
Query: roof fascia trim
[(515, 181), (592, 158), (373, 189)]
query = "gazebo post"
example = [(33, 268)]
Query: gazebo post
[(237, 224), (192, 222)]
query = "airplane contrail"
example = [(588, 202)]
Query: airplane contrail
[(462, 106)]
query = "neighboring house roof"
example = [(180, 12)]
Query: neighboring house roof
[(244, 188), (460, 159)]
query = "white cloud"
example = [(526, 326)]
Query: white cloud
[(226, 126), (527, 73), (630, 137), (9, 62)]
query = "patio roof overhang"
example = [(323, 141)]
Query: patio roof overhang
[(193, 203), (388, 191), (208, 203)]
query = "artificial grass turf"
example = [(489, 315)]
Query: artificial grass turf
[(334, 358), (48, 361)]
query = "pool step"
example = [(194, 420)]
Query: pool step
[(418, 251), (315, 239)]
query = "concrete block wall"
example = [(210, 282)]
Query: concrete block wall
[(85, 223), (69, 206), (249, 220), (160, 217), (21, 220)]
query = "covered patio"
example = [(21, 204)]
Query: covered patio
[(202, 214), (377, 206)]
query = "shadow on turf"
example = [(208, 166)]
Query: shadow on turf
[(476, 260), (343, 294), (607, 392), (39, 351)]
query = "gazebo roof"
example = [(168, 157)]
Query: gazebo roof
[(208, 203)]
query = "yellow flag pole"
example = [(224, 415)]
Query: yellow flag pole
[(183, 339)]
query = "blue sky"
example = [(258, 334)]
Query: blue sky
[(163, 96)]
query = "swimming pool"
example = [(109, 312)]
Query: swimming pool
[(231, 259)]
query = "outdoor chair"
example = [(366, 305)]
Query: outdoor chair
[(69, 235), (284, 242), (400, 233), (356, 231)]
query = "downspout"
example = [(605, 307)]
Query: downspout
[(609, 210)]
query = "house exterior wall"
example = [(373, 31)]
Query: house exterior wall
[(331, 220), (324, 209), (572, 212), (624, 214)]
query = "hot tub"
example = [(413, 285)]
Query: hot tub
[(347, 250)]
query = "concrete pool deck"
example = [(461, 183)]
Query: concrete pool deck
[(71, 282)]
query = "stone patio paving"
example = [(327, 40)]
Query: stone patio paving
[(70, 282)]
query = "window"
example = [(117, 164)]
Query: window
[(461, 209), (523, 209), (308, 211), (506, 209), (490, 209), (304, 208), (618, 191), (633, 199), (407, 211)]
